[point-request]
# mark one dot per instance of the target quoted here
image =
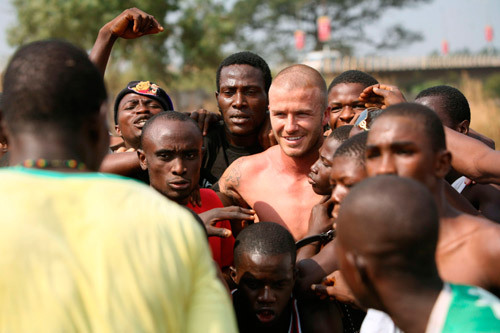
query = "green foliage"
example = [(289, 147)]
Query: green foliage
[(492, 85), (199, 33), (268, 26)]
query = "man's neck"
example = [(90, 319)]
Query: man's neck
[(241, 141), (300, 166), (49, 148), (412, 312)]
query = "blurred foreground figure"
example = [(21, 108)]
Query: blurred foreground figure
[(387, 245), (82, 251)]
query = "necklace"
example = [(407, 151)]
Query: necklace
[(42, 163)]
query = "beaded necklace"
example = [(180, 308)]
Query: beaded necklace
[(42, 163)]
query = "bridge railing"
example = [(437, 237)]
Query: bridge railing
[(388, 64)]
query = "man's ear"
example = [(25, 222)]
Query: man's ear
[(326, 116), (233, 274), (463, 127), (117, 130), (360, 271), (216, 95), (142, 159), (443, 163)]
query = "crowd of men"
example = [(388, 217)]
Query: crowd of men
[(302, 207)]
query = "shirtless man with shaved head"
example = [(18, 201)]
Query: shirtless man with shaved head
[(275, 183)]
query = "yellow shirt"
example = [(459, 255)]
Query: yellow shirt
[(97, 253)]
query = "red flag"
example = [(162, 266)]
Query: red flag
[(488, 33), (324, 28), (300, 39), (444, 47)]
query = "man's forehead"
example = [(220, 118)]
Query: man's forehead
[(172, 131), (135, 97), (231, 74), (395, 127), (345, 89)]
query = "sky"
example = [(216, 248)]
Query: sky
[(460, 22)]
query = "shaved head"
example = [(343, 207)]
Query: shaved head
[(393, 223), (301, 76)]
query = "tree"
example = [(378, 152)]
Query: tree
[(79, 22), (268, 26)]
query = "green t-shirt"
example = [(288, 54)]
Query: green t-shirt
[(462, 308)]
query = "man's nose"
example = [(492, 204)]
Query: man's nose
[(178, 167), (266, 295), (314, 167), (239, 100), (291, 124), (386, 165), (142, 108), (347, 114)]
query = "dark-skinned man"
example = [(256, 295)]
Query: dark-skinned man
[(171, 153), (243, 80), (94, 252), (388, 230), (408, 140), (452, 108)]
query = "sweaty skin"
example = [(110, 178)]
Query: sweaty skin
[(468, 248), (264, 183), (274, 183)]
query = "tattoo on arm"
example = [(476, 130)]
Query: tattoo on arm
[(230, 181)]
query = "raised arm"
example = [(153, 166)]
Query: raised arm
[(130, 24), (473, 158)]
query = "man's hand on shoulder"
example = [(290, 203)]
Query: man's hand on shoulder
[(205, 119)]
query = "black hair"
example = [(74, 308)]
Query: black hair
[(51, 84), (246, 58), (428, 119), (167, 115), (452, 100), (354, 147), (353, 76), (341, 133), (267, 238)]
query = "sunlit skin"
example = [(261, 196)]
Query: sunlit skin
[(345, 105), (345, 173), (242, 101), (133, 112), (320, 170), (396, 145), (265, 284), (171, 152), (296, 122)]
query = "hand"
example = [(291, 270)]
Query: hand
[(266, 136), (124, 150), (195, 197), (381, 96), (211, 217), (335, 287), (133, 23), (320, 219), (204, 119)]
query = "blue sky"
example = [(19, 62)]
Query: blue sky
[(461, 22)]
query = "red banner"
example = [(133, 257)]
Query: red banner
[(444, 47), (488, 33), (324, 28), (300, 39)]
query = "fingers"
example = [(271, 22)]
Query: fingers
[(133, 23), (218, 232), (206, 125), (235, 213)]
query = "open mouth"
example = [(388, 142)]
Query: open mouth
[(265, 315), (140, 122)]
